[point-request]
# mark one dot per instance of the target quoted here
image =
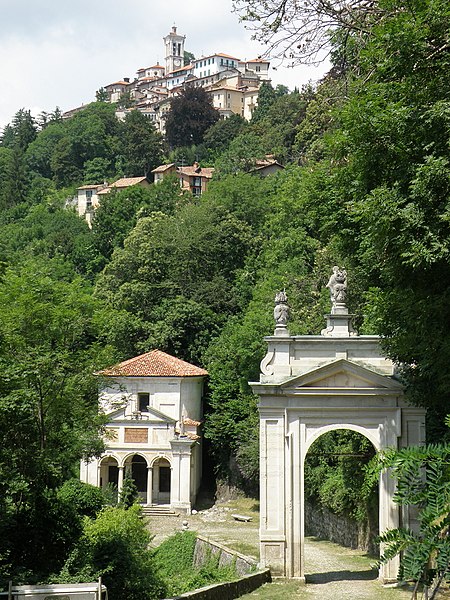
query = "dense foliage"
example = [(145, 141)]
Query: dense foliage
[(366, 185), (115, 546), (423, 484)]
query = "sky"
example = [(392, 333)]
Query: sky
[(60, 52)]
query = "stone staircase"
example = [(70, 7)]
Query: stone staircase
[(159, 510)]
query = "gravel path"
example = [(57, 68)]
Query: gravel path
[(333, 572)]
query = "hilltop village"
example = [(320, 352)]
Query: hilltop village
[(163, 340), (231, 83)]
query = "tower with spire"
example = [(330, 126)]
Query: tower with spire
[(174, 50)]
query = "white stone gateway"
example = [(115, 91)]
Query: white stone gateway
[(312, 384)]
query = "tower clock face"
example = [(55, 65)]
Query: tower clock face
[(177, 62)]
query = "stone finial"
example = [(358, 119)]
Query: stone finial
[(337, 285), (281, 310)]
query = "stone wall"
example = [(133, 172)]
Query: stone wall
[(322, 523), (249, 578), (205, 548), (229, 590)]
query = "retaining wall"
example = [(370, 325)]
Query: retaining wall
[(322, 523), (250, 579)]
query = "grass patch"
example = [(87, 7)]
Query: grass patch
[(174, 563)]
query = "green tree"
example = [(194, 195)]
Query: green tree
[(101, 95), (266, 97), (21, 131), (140, 146), (48, 406), (191, 115), (218, 137)]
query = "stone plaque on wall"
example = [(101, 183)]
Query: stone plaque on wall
[(136, 435)]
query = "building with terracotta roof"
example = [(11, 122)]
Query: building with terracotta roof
[(153, 404), (195, 178), (123, 183), (87, 200)]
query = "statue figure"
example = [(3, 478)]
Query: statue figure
[(337, 285), (281, 310)]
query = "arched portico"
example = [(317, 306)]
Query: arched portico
[(310, 385)]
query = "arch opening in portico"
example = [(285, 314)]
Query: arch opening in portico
[(136, 467), (162, 472), (109, 474), (339, 507)]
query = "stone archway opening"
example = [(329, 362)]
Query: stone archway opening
[(109, 475), (339, 507), (161, 481), (136, 468), (311, 384)]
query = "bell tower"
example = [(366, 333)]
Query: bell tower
[(174, 50)]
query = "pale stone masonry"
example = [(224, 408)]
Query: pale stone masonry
[(312, 384), (153, 404)]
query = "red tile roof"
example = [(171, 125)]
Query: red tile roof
[(163, 168), (196, 171), (154, 364), (124, 183)]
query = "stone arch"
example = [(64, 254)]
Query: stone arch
[(160, 456), (108, 472), (308, 386), (130, 455), (346, 426)]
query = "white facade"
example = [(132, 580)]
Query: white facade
[(87, 201), (310, 385), (215, 63), (152, 435)]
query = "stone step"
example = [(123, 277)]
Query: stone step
[(158, 510)]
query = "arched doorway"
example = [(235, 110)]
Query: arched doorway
[(161, 481), (297, 410), (136, 467), (339, 504), (312, 384), (109, 474)]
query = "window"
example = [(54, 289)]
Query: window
[(258, 68), (197, 186), (143, 402), (88, 199)]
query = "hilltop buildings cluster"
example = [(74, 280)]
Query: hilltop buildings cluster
[(231, 83)]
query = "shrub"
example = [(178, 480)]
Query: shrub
[(114, 546)]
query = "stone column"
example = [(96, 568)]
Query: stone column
[(149, 486), (180, 484), (120, 481)]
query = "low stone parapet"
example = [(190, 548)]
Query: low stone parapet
[(228, 590)]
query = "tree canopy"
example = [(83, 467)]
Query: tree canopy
[(191, 114)]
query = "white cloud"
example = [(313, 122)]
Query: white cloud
[(60, 53)]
